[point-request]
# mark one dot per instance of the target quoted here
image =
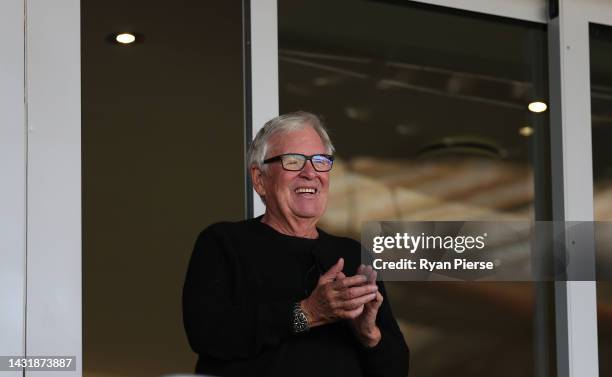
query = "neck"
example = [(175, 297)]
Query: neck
[(305, 228)]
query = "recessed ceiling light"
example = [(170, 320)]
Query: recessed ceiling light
[(526, 131), (321, 81), (406, 129), (125, 38), (357, 113), (537, 107)]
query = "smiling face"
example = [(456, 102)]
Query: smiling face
[(293, 196)]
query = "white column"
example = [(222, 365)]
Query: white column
[(13, 181), (264, 93), (53, 88), (570, 106)]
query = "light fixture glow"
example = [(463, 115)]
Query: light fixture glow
[(125, 38), (526, 131), (537, 107)]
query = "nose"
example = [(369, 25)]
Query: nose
[(308, 170)]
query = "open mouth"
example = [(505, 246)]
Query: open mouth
[(305, 190)]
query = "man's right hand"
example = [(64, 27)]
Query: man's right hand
[(337, 297)]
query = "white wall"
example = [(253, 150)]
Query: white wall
[(12, 181), (54, 180)]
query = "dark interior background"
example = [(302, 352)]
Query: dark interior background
[(163, 152)]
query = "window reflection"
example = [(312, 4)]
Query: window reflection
[(601, 118), (428, 110)]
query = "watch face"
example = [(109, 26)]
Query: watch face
[(300, 322)]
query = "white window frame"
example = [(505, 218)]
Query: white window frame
[(575, 302), (261, 96), (569, 66)]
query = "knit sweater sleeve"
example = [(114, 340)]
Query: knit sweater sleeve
[(222, 320)]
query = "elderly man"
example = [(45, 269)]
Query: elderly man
[(277, 296)]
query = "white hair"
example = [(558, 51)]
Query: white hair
[(284, 124)]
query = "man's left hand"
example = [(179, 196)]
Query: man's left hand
[(364, 325)]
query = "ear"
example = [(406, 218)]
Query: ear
[(257, 177)]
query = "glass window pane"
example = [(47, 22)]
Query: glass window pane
[(427, 108), (601, 118)]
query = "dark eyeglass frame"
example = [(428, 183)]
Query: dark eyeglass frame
[(306, 159)]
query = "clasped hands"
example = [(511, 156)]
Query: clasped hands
[(356, 299)]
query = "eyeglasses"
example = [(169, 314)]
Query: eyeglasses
[(296, 161)]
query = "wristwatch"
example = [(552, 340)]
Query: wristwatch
[(300, 321)]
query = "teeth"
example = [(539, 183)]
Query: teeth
[(305, 189)]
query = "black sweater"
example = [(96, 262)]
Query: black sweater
[(241, 283)]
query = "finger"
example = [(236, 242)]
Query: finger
[(379, 298), (357, 302), (358, 291), (360, 269), (341, 284), (333, 271), (377, 302), (368, 272), (352, 314), (340, 275), (373, 276)]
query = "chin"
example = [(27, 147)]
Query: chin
[(308, 213), (308, 210)]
